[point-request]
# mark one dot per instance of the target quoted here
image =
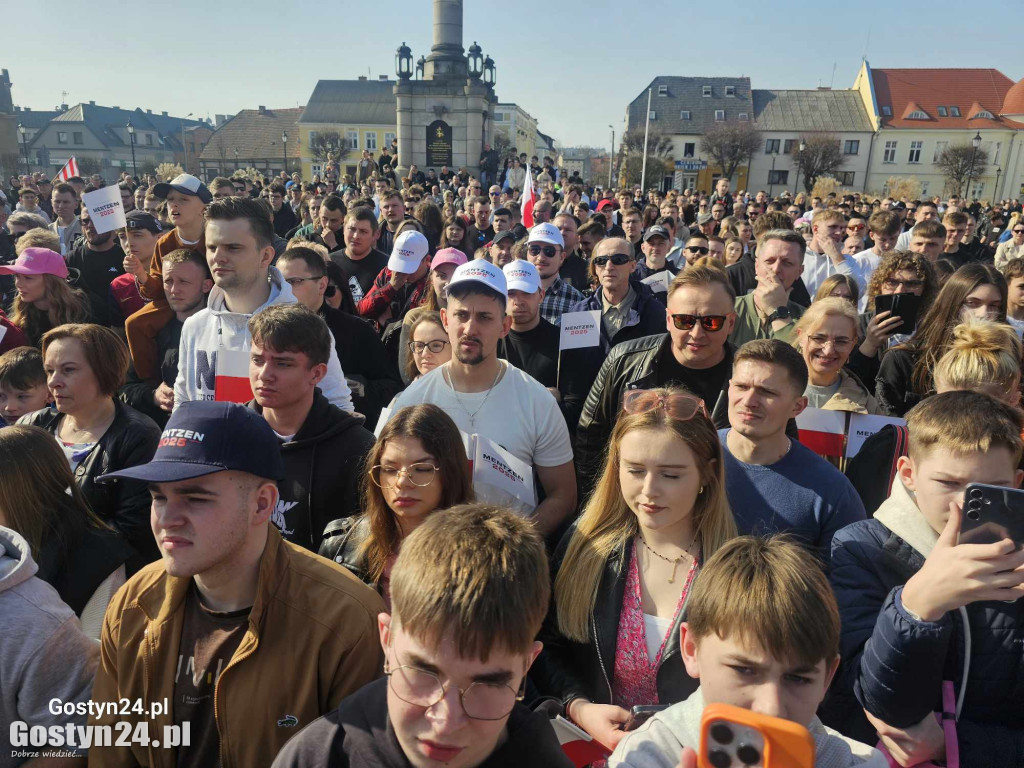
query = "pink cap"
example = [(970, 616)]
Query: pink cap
[(448, 256), (37, 261)]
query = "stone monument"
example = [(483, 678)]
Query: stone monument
[(445, 112)]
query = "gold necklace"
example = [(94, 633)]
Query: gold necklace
[(675, 562)]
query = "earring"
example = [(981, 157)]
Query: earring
[(700, 491)]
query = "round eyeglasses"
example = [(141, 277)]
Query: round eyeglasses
[(480, 701), (419, 475)]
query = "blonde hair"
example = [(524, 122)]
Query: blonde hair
[(822, 308), (607, 523), (964, 422), (67, 305), (981, 352), (763, 591), (319, 248), (832, 282), (477, 572), (38, 238)]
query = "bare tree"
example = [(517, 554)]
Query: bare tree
[(328, 146), (631, 155), (87, 166), (821, 156), (958, 162), (730, 145)]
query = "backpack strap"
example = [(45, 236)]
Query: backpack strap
[(902, 446)]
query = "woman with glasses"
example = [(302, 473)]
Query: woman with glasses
[(428, 345), (418, 465), (975, 291), (625, 567), (827, 334), (1012, 248)]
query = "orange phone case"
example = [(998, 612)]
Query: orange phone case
[(781, 743)]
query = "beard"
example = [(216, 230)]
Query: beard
[(469, 359)]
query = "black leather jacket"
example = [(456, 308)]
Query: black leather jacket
[(343, 538), (567, 669), (130, 440)]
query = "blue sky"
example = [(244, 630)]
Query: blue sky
[(573, 65)]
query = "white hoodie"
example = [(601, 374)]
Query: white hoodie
[(216, 332)]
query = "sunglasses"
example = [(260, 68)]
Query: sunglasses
[(703, 251), (855, 228), (709, 323), (1018, 231), (548, 251), (618, 259), (678, 406)]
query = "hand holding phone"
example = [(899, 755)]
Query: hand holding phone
[(992, 513), (731, 737), (903, 305)]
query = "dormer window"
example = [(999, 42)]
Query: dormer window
[(730, 90), (887, 111), (917, 114), (663, 90), (943, 112), (983, 113), (706, 91), (954, 111)]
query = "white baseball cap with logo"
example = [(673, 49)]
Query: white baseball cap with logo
[(522, 276), (546, 233), (480, 271), (408, 252)]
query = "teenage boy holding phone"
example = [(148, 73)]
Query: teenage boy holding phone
[(918, 608), (749, 640)]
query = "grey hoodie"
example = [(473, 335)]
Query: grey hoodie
[(44, 654), (659, 742)]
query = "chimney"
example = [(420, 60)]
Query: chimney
[(63, 107), (149, 111), (263, 110), (362, 77), (164, 113), (115, 107), (92, 103), (382, 78)]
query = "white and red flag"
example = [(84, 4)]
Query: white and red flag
[(528, 199), (70, 169)]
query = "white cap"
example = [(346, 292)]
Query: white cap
[(408, 252), (480, 271), (546, 233), (522, 276)]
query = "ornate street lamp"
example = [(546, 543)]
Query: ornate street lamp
[(796, 184), (975, 142), (489, 76), (131, 139), (284, 142), (24, 146), (476, 61), (421, 63), (403, 62)]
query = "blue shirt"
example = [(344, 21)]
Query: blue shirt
[(801, 494)]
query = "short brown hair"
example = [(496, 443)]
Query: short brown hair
[(252, 210), (770, 221), (929, 228), (292, 328), (884, 223), (476, 571), (956, 219), (697, 275), (185, 256), (775, 352), (106, 354), (1014, 268), (22, 368), (770, 592), (964, 422)]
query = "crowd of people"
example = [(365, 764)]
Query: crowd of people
[(243, 442)]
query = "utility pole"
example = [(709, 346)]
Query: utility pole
[(611, 158), (647, 130)]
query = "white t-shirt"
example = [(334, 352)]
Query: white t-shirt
[(868, 262), (520, 415)]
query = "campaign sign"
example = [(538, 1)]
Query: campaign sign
[(659, 281), (501, 478), (863, 426), (105, 208), (580, 329), (822, 431)]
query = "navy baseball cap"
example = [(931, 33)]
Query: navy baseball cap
[(203, 437)]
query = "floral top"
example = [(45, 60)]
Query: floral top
[(635, 679)]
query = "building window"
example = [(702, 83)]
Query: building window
[(684, 114), (940, 147), (917, 114), (887, 111), (771, 145), (787, 146), (719, 115), (845, 178), (149, 139), (353, 139), (652, 115), (890, 152), (499, 117), (76, 137), (954, 111), (663, 90), (778, 177), (388, 138), (706, 91), (689, 148), (62, 137), (730, 90), (851, 147), (978, 191), (943, 112), (915, 152), (742, 117), (924, 188), (371, 140), (311, 138)]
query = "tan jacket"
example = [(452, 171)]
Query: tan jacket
[(312, 640), (852, 396)]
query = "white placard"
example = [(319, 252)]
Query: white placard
[(580, 329), (105, 208), (863, 426), (659, 281), (501, 478)]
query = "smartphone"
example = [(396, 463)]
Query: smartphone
[(640, 714), (903, 305), (992, 513), (734, 737)]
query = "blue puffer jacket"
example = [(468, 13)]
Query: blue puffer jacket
[(894, 664)]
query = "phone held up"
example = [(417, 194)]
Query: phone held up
[(731, 737), (992, 513)]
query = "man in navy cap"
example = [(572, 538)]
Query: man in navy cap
[(247, 636)]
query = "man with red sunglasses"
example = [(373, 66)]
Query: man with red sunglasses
[(694, 354)]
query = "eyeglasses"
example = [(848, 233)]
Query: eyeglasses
[(679, 406), (480, 701), (703, 251), (293, 281), (548, 251), (436, 346), (710, 323), (838, 342), (1017, 231), (856, 228), (892, 284), (420, 475), (618, 259)]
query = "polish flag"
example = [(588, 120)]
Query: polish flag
[(528, 199), (577, 744), (232, 366), (824, 432), (70, 169)]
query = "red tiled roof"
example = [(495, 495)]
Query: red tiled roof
[(931, 88), (1013, 102)]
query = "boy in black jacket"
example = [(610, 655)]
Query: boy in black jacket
[(323, 447)]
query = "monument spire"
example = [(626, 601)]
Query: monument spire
[(446, 59)]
